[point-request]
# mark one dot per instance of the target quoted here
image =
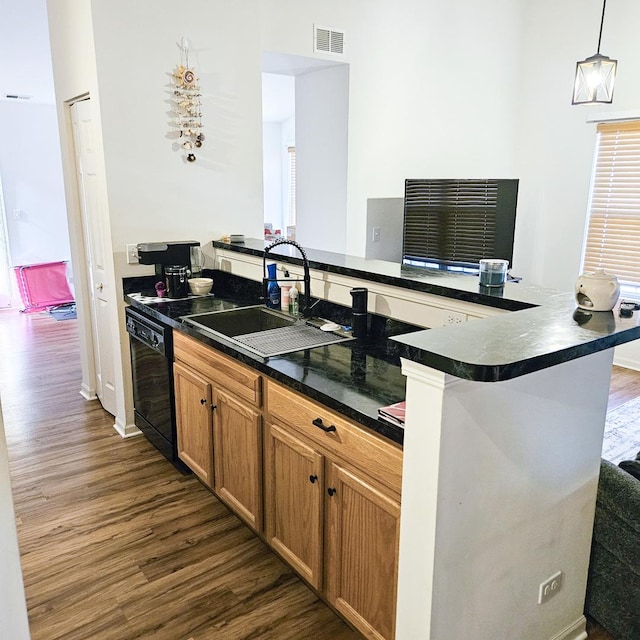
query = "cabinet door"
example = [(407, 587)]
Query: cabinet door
[(362, 537), (237, 454), (193, 418), (294, 502)]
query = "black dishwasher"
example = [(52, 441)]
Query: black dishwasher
[(151, 348)]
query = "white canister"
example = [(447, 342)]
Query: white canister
[(597, 291)]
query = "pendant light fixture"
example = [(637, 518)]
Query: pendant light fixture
[(595, 76)]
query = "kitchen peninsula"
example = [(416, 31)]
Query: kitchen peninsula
[(505, 413)]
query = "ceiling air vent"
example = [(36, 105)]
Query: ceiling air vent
[(328, 40), (15, 96)]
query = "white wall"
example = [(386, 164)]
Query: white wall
[(322, 101), (467, 90), (31, 171), (442, 97), (499, 490), (278, 122), (13, 609), (273, 178), (154, 194), (387, 216), (555, 142), (432, 89)]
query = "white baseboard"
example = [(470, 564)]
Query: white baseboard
[(576, 631), (87, 393), (627, 363), (126, 430)]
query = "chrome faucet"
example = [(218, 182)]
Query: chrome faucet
[(305, 265)]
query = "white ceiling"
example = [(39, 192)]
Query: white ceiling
[(25, 58), (278, 82)]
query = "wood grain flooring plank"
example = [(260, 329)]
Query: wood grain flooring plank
[(625, 385), (116, 544)]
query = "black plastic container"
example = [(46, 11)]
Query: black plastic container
[(359, 316), (176, 279)]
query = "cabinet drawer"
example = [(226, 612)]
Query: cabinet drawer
[(241, 380), (353, 444)]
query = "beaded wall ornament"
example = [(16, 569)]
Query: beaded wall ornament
[(187, 106)]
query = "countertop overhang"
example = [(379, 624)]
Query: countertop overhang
[(544, 329)]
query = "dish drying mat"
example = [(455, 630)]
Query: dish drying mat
[(288, 339)]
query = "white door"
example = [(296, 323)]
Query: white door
[(94, 221)]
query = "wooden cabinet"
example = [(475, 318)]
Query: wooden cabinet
[(220, 425), (363, 534), (237, 454), (331, 487), (193, 418), (333, 507), (294, 498)]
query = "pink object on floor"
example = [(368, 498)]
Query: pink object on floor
[(43, 285)]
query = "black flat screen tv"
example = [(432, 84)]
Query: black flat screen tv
[(453, 224)]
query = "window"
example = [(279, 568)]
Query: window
[(613, 234), (292, 186), (453, 224)]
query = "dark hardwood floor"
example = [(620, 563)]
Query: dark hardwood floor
[(625, 386), (115, 543)]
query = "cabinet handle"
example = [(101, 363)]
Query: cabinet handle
[(214, 406), (203, 401), (318, 423), (331, 491), (312, 479)]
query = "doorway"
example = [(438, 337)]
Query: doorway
[(306, 110)]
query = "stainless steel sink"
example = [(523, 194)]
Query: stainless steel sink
[(236, 322), (264, 331)]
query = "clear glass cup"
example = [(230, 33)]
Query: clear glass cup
[(493, 273), (197, 262)]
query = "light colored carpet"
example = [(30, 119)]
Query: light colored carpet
[(622, 432)]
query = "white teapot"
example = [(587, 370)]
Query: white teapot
[(597, 291)]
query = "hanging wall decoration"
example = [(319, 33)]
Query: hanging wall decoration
[(187, 106)]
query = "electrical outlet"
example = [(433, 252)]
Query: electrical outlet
[(454, 317), (375, 234), (132, 254), (550, 587)]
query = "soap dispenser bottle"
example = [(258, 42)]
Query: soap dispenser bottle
[(273, 289), (293, 301)]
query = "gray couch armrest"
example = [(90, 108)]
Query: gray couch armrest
[(617, 520), (613, 588)]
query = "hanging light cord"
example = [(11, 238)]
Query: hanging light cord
[(604, 6)]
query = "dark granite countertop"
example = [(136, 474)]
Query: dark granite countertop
[(545, 329), (352, 378), (512, 296)]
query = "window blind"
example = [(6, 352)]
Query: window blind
[(613, 234), (292, 185), (458, 221)]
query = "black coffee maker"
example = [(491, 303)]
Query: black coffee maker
[(173, 264)]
